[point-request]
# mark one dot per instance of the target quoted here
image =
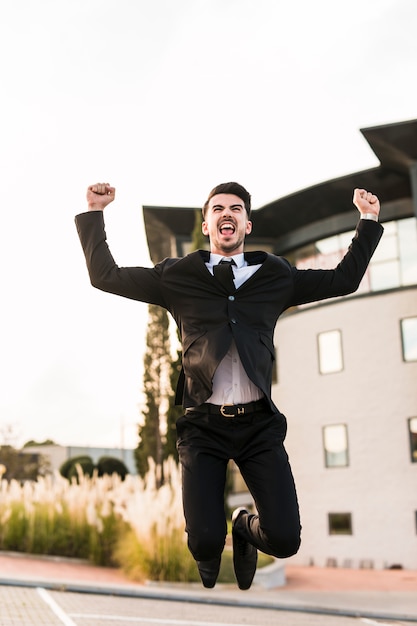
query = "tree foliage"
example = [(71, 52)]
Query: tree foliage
[(174, 411), (32, 443), (157, 362)]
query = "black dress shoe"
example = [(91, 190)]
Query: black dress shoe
[(209, 571), (245, 555)]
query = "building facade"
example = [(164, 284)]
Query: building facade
[(352, 430)]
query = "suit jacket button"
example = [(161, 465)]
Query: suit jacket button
[(233, 320), (231, 298)]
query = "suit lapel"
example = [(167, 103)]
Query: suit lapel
[(255, 258)]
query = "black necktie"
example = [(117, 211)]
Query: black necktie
[(224, 274)]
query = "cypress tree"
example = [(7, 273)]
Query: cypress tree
[(174, 411), (157, 363)]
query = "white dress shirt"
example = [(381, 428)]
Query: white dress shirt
[(231, 384)]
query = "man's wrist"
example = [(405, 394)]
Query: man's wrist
[(369, 216)]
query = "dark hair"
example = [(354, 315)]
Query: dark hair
[(234, 189)]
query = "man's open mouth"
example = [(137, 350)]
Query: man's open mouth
[(227, 228)]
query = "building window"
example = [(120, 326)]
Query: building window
[(335, 443), (385, 268), (340, 524), (409, 338), (330, 352), (407, 237), (393, 264), (412, 430)]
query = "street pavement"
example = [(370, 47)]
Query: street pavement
[(52, 591)]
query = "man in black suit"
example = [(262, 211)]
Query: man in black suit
[(226, 304)]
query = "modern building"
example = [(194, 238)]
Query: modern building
[(346, 368)]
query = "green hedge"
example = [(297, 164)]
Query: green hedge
[(105, 465)]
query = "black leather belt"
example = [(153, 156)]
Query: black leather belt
[(229, 410)]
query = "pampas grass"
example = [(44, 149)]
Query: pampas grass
[(108, 521), (155, 548), (54, 517)]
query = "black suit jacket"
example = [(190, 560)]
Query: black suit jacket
[(209, 317)]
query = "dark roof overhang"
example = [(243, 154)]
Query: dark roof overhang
[(318, 211)]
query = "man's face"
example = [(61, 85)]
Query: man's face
[(226, 224)]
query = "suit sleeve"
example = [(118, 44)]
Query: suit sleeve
[(312, 285), (136, 283)]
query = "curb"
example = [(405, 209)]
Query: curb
[(223, 597)]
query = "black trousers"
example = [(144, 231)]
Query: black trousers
[(256, 443)]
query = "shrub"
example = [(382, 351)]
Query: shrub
[(84, 468), (68, 468), (110, 465)]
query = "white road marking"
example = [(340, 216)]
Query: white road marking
[(55, 608), (152, 620)]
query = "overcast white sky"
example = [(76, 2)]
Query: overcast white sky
[(163, 99)]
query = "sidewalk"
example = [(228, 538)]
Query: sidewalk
[(387, 594)]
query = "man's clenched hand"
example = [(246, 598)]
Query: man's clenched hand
[(366, 202), (99, 196)]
